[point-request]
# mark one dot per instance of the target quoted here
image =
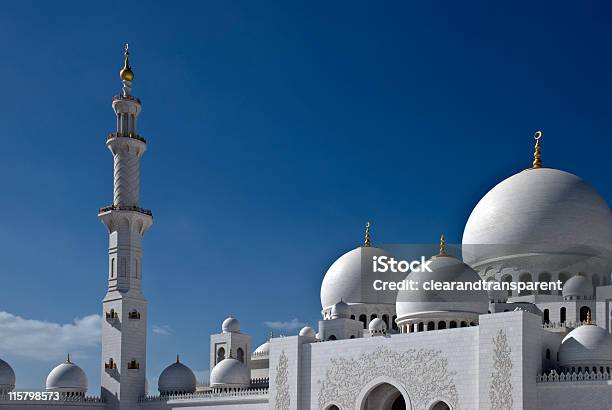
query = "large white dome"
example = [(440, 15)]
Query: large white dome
[(538, 210), (587, 345), (7, 377), (177, 379), (230, 373), (350, 278), (414, 303), (67, 378)]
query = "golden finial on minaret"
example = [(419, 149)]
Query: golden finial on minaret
[(367, 241), (126, 72), (537, 162), (588, 318), (442, 246)]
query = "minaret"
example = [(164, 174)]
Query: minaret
[(124, 324)]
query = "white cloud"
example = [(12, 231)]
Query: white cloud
[(163, 330), (294, 323), (42, 340)]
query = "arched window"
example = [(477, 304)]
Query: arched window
[(546, 318), (547, 354), (333, 407), (112, 268), (452, 324), (240, 354), (364, 319), (420, 327), (220, 354), (430, 325), (332, 337), (385, 318), (584, 312), (562, 314), (353, 317), (440, 406), (463, 324), (525, 278), (544, 277), (441, 325), (352, 336), (372, 317)]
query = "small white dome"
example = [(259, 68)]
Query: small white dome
[(231, 325), (347, 279), (176, 379), (341, 310), (377, 325), (263, 349), (578, 285), (587, 345), (308, 331), (67, 378), (7, 377), (230, 373)]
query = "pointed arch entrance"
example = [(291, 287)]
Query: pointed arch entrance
[(383, 394)]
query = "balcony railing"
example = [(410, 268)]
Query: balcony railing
[(125, 208), (127, 97), (121, 135)]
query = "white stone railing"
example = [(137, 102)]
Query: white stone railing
[(563, 325), (259, 354), (209, 395), (553, 376)]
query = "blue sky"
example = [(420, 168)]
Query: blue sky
[(275, 132)]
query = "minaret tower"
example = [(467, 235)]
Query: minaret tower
[(124, 324)]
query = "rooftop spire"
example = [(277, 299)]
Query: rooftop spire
[(537, 163), (68, 358), (126, 73), (367, 241), (177, 358), (442, 246), (588, 318)]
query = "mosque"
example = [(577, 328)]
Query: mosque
[(414, 350)]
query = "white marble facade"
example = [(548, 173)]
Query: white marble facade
[(498, 351)]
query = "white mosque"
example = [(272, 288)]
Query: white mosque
[(414, 350)]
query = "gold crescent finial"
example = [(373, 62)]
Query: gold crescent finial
[(588, 318), (537, 162), (442, 246), (126, 73), (367, 241)]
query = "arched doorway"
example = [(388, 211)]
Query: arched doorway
[(585, 311), (383, 395), (440, 405)]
